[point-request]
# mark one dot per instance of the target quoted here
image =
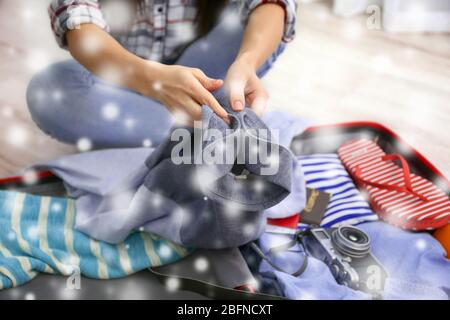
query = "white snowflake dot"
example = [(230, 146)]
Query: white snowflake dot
[(165, 251), (7, 112), (84, 144), (30, 177), (157, 86), (33, 232), (56, 207), (110, 111), (201, 264), (172, 284), (130, 123), (147, 143), (30, 296), (17, 136), (421, 244), (57, 95), (11, 236)]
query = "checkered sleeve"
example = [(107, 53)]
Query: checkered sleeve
[(290, 9), (67, 15)]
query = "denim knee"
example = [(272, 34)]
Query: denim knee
[(37, 91)]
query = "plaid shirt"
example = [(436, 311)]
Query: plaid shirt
[(159, 30)]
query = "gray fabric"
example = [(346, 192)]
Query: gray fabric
[(123, 189), (223, 267)]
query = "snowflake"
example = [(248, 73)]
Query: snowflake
[(147, 143), (231, 20), (57, 95), (17, 136), (111, 74), (181, 117), (353, 30), (232, 209), (157, 86), (90, 44), (110, 112), (33, 232), (56, 207), (258, 186), (201, 264), (7, 112), (165, 251), (130, 123), (30, 296), (421, 244), (204, 45), (157, 201), (84, 144), (172, 284), (11, 236), (37, 60), (249, 229), (27, 14), (30, 177), (306, 296)]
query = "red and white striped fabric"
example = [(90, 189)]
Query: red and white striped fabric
[(399, 197)]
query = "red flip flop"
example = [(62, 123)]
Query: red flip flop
[(399, 197)]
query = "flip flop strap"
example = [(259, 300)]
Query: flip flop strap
[(406, 188)]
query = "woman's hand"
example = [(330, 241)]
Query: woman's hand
[(182, 89), (245, 88), (262, 36)]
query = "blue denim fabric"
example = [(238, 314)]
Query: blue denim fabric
[(120, 190), (415, 263)]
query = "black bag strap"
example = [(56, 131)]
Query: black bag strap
[(281, 248), (211, 290)]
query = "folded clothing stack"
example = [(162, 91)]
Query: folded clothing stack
[(37, 234)]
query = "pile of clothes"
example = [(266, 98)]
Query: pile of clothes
[(131, 209)]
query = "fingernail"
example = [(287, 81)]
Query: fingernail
[(238, 105), (226, 119)]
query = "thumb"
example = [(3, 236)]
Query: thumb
[(237, 97)]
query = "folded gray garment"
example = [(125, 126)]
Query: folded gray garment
[(206, 205), (223, 267)]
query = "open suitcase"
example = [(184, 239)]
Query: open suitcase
[(316, 139)]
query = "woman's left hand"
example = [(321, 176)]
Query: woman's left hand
[(245, 88)]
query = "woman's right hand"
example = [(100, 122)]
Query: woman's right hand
[(182, 89)]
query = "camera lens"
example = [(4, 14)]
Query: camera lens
[(351, 241)]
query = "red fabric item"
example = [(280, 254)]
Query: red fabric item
[(399, 197), (246, 288), (289, 222)]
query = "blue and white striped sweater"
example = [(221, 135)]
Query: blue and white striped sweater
[(327, 173), (37, 235)]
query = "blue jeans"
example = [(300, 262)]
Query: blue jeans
[(69, 103)]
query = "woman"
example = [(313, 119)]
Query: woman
[(126, 86)]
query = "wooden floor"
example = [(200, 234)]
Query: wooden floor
[(335, 70)]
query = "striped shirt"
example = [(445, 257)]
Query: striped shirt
[(157, 30), (347, 206), (37, 234)]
